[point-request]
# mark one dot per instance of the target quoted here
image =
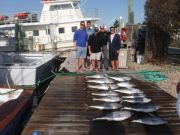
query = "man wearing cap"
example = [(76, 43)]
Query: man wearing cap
[(104, 35), (80, 42), (95, 49)]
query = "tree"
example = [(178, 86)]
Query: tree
[(162, 19)]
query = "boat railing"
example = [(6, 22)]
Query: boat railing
[(22, 17), (68, 15), (50, 16)]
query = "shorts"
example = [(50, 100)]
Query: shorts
[(113, 55), (81, 52), (96, 56)]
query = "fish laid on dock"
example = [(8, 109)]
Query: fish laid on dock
[(111, 99), (141, 95), (137, 100), (150, 120), (120, 79), (105, 93), (146, 107), (101, 81), (129, 91), (113, 86), (115, 116), (100, 87), (106, 106), (97, 76), (125, 85)]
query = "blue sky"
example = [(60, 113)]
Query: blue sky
[(109, 9)]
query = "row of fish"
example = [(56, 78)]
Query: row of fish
[(107, 91)]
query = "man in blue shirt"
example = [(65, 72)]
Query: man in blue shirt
[(80, 41)]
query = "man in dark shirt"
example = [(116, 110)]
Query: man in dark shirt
[(104, 35), (95, 49), (114, 47)]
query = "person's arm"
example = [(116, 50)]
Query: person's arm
[(118, 43), (89, 45), (86, 39)]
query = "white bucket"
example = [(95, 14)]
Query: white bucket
[(140, 59)]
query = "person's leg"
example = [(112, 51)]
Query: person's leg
[(77, 65), (116, 64), (78, 54), (113, 64), (99, 65), (84, 54), (93, 61), (93, 65), (116, 61), (105, 59), (84, 63), (98, 60)]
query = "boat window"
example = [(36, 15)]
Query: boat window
[(47, 31), (61, 30), (74, 28), (60, 7), (66, 6), (35, 32), (75, 5), (55, 7)]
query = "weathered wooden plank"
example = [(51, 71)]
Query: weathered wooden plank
[(63, 111)]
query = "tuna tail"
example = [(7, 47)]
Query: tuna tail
[(87, 106)]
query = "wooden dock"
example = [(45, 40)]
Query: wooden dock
[(63, 111)]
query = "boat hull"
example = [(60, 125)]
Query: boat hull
[(14, 113), (33, 69)]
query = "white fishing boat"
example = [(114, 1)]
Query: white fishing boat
[(53, 27), (18, 69)]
